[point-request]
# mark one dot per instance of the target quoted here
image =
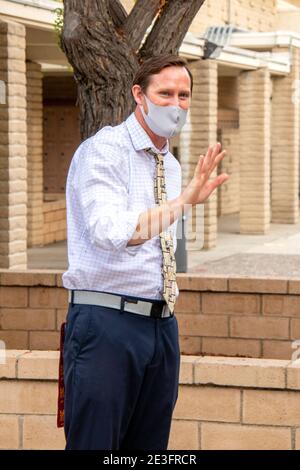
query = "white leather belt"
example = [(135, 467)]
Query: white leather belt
[(158, 309)]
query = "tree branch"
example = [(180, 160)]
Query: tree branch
[(73, 5), (139, 19), (170, 27), (117, 12), (90, 40)]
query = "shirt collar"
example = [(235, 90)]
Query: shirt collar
[(140, 138)]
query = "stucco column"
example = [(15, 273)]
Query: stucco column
[(255, 90), (13, 147)]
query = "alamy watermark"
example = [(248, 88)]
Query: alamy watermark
[(296, 346), (2, 92), (2, 352), (188, 222), (296, 92)]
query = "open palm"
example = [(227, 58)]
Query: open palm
[(201, 186)]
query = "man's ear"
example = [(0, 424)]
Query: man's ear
[(137, 94)]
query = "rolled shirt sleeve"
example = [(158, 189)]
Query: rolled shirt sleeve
[(101, 184)]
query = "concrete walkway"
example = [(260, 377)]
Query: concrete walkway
[(276, 254)]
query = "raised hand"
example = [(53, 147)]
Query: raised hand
[(201, 187)]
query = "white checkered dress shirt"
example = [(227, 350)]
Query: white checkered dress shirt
[(110, 182)]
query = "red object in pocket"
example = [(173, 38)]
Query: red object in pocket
[(61, 385)]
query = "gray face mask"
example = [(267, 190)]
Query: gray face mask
[(164, 121)]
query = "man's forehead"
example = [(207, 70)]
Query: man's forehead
[(171, 76)]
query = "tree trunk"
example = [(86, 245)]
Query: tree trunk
[(105, 46)]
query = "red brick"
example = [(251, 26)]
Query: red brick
[(188, 302), (27, 319), (13, 296), (230, 303), (48, 297), (202, 325)]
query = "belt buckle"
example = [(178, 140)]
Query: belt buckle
[(130, 301), (127, 300)]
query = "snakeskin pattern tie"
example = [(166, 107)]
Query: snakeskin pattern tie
[(166, 239)]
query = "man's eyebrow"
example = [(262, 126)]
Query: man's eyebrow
[(170, 89)]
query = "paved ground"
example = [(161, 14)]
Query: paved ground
[(276, 254)]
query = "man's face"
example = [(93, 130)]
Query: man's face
[(170, 87)]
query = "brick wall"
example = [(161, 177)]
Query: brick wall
[(262, 403), (228, 93), (238, 317), (255, 147), (55, 222), (33, 306), (288, 21), (228, 124), (13, 148), (256, 318), (256, 15)]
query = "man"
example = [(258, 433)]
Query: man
[(121, 351)]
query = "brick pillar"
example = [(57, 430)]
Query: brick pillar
[(255, 89), (196, 136), (229, 192), (285, 145), (35, 153), (13, 148)]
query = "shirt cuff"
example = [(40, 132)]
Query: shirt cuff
[(132, 222), (115, 231), (129, 221)]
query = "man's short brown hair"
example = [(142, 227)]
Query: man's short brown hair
[(156, 64)]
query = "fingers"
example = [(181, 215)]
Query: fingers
[(215, 183), (206, 164), (199, 166), (215, 157), (219, 180), (216, 150), (217, 160), (207, 159), (210, 161), (211, 156), (222, 178)]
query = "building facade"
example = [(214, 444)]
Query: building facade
[(244, 55)]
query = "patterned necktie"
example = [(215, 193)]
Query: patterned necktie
[(166, 239)]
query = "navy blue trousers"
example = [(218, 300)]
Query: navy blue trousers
[(121, 373)]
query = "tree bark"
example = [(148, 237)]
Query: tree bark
[(105, 46), (171, 27)]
